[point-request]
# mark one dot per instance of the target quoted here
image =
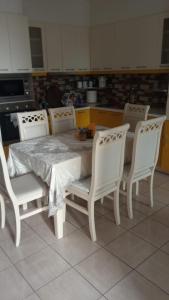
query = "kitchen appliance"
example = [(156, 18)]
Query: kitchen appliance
[(91, 96), (16, 94), (102, 82)]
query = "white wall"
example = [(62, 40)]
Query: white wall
[(108, 11), (75, 12), (13, 6)]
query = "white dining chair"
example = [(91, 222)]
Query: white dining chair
[(62, 119), (133, 113), (107, 169), (20, 190), (32, 124), (144, 157)]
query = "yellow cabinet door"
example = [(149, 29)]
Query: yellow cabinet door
[(82, 118), (163, 161), (106, 118)]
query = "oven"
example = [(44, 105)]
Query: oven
[(15, 87), (16, 95)]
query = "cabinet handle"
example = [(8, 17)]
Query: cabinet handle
[(3, 70), (126, 68), (54, 69), (69, 69), (82, 69), (141, 67), (23, 69), (107, 68)]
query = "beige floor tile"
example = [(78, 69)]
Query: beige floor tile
[(76, 218), (160, 178), (156, 269), (32, 297), (142, 205), (130, 249), (13, 286), (162, 216), (125, 222), (152, 231), (30, 243), (161, 195), (136, 287), (103, 270), (75, 247), (46, 231), (69, 286), (9, 231), (166, 248), (106, 231), (42, 267), (4, 261), (38, 219)]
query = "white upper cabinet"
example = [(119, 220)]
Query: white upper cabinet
[(139, 42), (5, 60), (103, 47), (19, 43), (75, 48), (53, 47), (128, 44)]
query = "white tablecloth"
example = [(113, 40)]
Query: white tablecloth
[(58, 160)]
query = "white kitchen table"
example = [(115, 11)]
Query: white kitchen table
[(58, 160)]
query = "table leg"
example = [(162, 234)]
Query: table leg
[(58, 223)]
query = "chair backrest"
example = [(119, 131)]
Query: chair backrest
[(62, 119), (146, 146), (133, 113), (32, 124), (107, 160), (5, 182)]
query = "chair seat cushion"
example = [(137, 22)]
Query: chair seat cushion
[(28, 187), (79, 187)]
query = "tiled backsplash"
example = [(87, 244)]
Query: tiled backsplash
[(143, 89)]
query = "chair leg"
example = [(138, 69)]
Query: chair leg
[(129, 200), (102, 200), (151, 190), (123, 185), (2, 205), (18, 226), (91, 220), (116, 207), (64, 212), (25, 206), (137, 188), (39, 203)]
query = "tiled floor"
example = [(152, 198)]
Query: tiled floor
[(128, 262)]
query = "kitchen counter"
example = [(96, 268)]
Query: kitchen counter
[(153, 111)]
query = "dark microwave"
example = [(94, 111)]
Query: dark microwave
[(15, 88)]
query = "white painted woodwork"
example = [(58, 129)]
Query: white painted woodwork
[(75, 48), (103, 47), (19, 43), (5, 60), (53, 47)]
